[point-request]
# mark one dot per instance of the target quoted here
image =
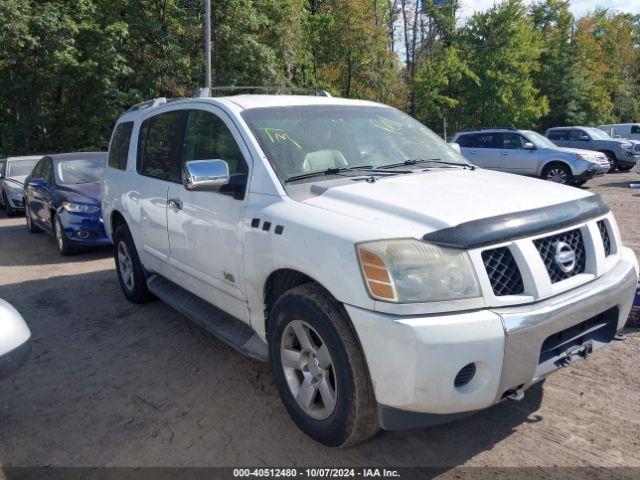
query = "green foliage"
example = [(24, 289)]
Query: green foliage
[(69, 68)]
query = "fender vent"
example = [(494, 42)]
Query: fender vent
[(465, 375), (503, 272)]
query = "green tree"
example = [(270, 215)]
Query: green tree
[(502, 49)]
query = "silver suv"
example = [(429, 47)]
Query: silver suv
[(528, 153), (622, 154)]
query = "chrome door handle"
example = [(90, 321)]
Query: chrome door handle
[(174, 203), (473, 151)]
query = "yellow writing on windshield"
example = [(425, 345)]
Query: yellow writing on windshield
[(278, 135), (387, 124)]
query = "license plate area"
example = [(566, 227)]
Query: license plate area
[(578, 341)]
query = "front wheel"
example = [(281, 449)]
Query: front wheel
[(131, 275), (64, 245), (558, 173), (32, 227), (613, 162), (319, 369)]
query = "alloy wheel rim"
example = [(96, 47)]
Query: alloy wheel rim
[(309, 370), (125, 265), (59, 235), (557, 175)]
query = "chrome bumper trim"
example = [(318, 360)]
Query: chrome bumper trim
[(526, 327)]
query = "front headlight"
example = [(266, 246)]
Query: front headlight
[(627, 145), (410, 271), (588, 158), (79, 208), (13, 188)]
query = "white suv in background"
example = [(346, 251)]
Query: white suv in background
[(389, 282)]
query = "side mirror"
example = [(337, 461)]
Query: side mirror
[(37, 183), (205, 175), (584, 138), (456, 147), (529, 146)]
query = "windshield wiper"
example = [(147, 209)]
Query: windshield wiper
[(328, 171), (415, 161)]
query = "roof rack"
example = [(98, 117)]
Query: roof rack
[(487, 128), (148, 104), (275, 89)]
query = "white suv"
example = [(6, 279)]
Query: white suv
[(389, 282)]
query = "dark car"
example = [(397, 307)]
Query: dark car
[(62, 197)]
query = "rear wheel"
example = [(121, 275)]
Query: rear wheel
[(319, 369), (558, 173), (64, 245), (131, 275)]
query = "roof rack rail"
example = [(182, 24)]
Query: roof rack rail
[(148, 104), (276, 89), (487, 128)]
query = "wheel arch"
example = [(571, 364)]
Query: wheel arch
[(116, 220), (553, 162)]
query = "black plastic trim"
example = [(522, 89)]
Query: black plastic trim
[(511, 226), (394, 419), (266, 226)]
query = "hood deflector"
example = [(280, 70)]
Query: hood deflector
[(511, 226)]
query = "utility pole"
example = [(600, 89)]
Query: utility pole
[(207, 44)]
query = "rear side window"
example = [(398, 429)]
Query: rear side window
[(489, 140), (558, 134), (467, 141), (119, 148), (158, 146)]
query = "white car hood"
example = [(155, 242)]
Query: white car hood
[(420, 203)]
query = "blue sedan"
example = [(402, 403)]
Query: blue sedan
[(62, 198)]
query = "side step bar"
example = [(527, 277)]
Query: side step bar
[(227, 328)]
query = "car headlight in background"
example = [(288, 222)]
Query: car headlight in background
[(409, 271), (14, 190), (627, 145), (80, 208)]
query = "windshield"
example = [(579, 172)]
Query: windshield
[(20, 168), (306, 139), (539, 140), (80, 171), (597, 134)]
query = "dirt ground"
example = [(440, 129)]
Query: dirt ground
[(115, 384)]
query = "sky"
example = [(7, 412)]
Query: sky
[(578, 7)]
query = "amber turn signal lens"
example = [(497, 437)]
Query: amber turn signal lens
[(376, 275)]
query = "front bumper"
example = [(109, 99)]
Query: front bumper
[(15, 201), (84, 228), (594, 170), (628, 158), (10, 362), (413, 361)]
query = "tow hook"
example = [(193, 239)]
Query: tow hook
[(516, 394), (620, 337)]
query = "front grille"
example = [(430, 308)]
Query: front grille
[(604, 233), (503, 272), (637, 147), (547, 249)]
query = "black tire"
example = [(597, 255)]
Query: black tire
[(354, 416), (554, 171), (3, 205), (32, 227), (65, 247), (625, 168), (134, 281), (613, 161)]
